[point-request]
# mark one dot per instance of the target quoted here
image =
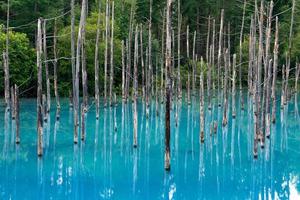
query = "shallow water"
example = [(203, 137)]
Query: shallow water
[(106, 166)]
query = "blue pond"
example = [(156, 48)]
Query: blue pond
[(106, 166)]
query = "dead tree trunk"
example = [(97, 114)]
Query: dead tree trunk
[(17, 113), (142, 63), (135, 87), (219, 55), (78, 50), (150, 56), (162, 59), (234, 86), (12, 107), (202, 120), (225, 104), (73, 49), (39, 90), (194, 64), (168, 85), (82, 122), (106, 51), (97, 97), (55, 73), (188, 60), (275, 65), (46, 66), (179, 93), (6, 60), (241, 56), (123, 71), (111, 84)]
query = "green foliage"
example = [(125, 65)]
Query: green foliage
[(21, 61)]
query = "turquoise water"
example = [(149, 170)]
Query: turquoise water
[(106, 166)]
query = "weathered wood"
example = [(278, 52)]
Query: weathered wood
[(162, 58), (150, 55), (6, 60), (111, 83), (225, 100), (17, 113), (97, 96), (179, 93), (84, 70), (78, 53), (39, 90), (219, 55), (283, 86), (213, 55), (268, 101), (106, 51), (194, 64), (275, 65), (241, 52), (202, 119), (135, 88), (142, 63), (55, 72), (12, 106), (123, 71), (188, 62), (82, 122), (70, 98), (234, 86), (46, 65), (73, 59), (208, 39)]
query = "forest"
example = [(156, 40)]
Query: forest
[(195, 14)]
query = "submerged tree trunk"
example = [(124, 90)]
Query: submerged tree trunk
[(46, 66), (97, 96), (73, 63), (179, 93), (106, 51), (234, 86), (39, 90), (55, 74), (6, 60), (202, 122), (17, 113), (135, 88), (111, 84), (168, 86)]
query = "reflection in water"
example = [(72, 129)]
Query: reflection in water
[(106, 166)]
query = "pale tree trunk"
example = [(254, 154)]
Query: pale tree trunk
[(123, 71), (202, 119), (12, 106), (17, 113), (268, 101), (55, 73), (39, 90), (162, 59), (275, 65), (83, 67), (142, 63), (225, 103), (150, 56), (106, 51), (97, 97), (213, 54), (219, 56), (6, 60), (234, 86), (135, 88), (78, 50), (179, 93), (208, 39), (46, 66), (168, 85), (241, 56), (112, 55), (188, 60), (73, 49), (194, 64)]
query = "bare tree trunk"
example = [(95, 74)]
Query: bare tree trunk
[(78, 50), (73, 49), (97, 96), (194, 64), (123, 71), (39, 90), (225, 104), (83, 69), (142, 63), (241, 56), (219, 55), (268, 101), (135, 87), (55, 73), (106, 51), (213, 54), (188, 60), (150, 56), (275, 65), (6, 60), (208, 39), (202, 120), (82, 122), (12, 107), (129, 50), (17, 113), (162, 58), (46, 67), (234, 86), (179, 93), (112, 55)]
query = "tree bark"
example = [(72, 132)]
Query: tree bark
[(97, 96), (55, 73), (135, 87), (111, 84), (39, 90), (17, 113), (46, 66)]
